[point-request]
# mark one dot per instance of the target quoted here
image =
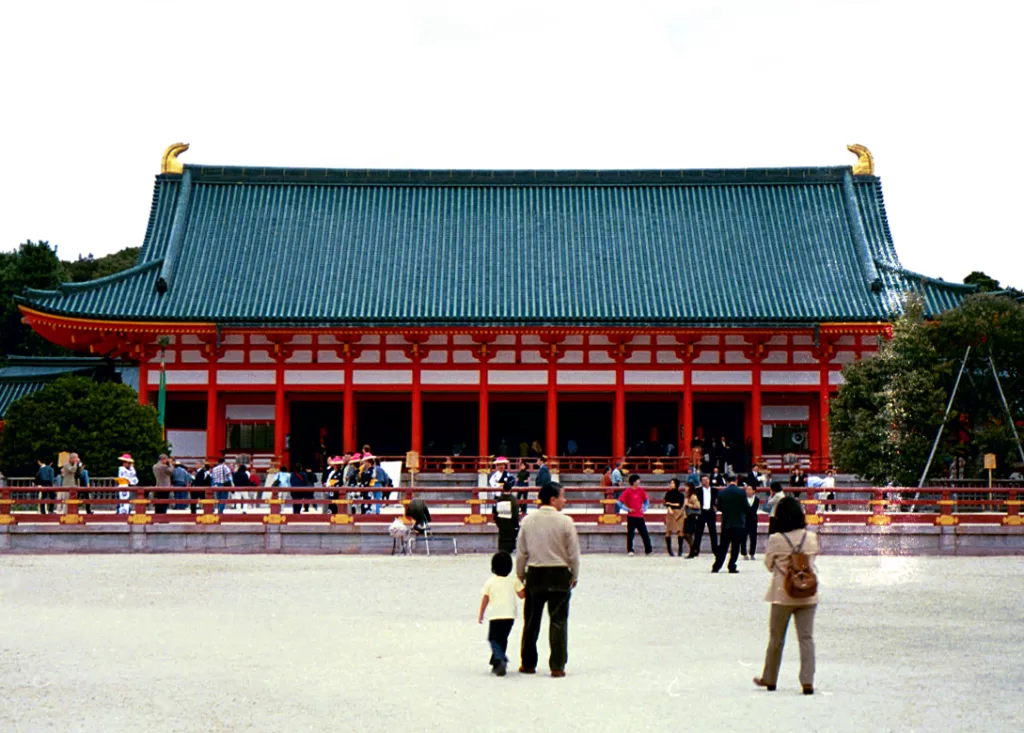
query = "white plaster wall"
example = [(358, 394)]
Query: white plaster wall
[(736, 357), (382, 376), (523, 377), (314, 376), (179, 376), (450, 376), (651, 377), (790, 377), (246, 376), (370, 356), (722, 378), (586, 377)]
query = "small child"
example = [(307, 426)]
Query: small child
[(500, 593)]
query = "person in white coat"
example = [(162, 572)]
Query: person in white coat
[(126, 477)]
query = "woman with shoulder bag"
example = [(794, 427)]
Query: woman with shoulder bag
[(789, 557)]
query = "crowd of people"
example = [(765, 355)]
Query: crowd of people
[(691, 512), (177, 485), (546, 569)]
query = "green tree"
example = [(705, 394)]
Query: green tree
[(985, 283), (988, 284), (884, 418), (89, 268), (97, 420), (993, 326), (34, 265)]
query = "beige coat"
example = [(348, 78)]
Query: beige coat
[(776, 559)]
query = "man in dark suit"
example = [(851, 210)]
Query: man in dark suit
[(733, 502), (708, 496), (753, 502)]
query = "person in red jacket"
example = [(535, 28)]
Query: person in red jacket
[(635, 501)]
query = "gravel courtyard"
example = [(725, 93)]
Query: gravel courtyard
[(259, 643)]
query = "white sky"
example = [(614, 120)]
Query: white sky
[(94, 92)]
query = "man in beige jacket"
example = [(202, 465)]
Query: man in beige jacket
[(548, 563), (70, 473)]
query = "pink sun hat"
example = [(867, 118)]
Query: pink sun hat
[(336, 461), (500, 459), (126, 459)]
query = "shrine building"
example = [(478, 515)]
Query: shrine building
[(302, 311)]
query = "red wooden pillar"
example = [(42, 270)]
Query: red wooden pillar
[(824, 447), (212, 417), (755, 414), (551, 421), (417, 410), (144, 380), (483, 436), (687, 438), (813, 434), (826, 349), (280, 429), (348, 430), (619, 415)]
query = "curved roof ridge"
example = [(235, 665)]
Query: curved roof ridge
[(97, 283), (519, 177), (924, 279)]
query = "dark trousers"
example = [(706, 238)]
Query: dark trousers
[(732, 540), (497, 635), (507, 539), (523, 497), (634, 525), (751, 540), (161, 496), (706, 518), (196, 497), (43, 508), (300, 500), (550, 586)]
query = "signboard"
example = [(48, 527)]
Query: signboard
[(990, 461)]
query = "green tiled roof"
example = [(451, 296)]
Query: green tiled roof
[(25, 375), (364, 248)]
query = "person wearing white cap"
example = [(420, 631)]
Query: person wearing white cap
[(500, 477), (126, 477)]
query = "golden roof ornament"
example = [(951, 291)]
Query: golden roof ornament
[(865, 165), (170, 162)]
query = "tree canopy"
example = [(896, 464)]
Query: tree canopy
[(885, 417), (97, 420), (89, 268), (36, 265), (33, 265)]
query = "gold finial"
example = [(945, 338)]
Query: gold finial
[(865, 165), (170, 162)]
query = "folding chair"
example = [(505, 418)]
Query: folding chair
[(424, 531)]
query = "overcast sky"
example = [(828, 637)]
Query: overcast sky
[(94, 92)]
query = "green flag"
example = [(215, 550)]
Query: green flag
[(161, 404)]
